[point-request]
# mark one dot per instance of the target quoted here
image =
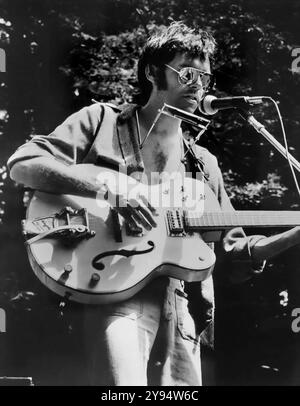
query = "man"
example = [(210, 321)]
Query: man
[(150, 339)]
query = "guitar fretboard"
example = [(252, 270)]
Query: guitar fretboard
[(222, 220)]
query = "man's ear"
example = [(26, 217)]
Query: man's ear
[(150, 72)]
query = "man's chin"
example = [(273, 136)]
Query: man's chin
[(189, 107)]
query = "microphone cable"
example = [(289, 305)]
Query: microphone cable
[(285, 142)]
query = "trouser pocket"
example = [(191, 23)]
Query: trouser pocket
[(185, 322)]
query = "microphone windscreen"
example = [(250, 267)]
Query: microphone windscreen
[(205, 105)]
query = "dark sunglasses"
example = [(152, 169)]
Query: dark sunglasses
[(190, 76)]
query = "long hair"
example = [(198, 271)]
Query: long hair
[(162, 46)]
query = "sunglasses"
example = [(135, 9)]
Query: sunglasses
[(190, 76)]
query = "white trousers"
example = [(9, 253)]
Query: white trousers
[(149, 339)]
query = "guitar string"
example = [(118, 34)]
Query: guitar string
[(231, 217)]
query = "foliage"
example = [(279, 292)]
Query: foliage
[(255, 195)]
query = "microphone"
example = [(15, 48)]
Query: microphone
[(211, 105)]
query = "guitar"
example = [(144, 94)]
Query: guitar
[(82, 249)]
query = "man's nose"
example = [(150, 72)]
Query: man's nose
[(197, 88), (197, 85)]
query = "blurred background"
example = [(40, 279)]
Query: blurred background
[(60, 54)]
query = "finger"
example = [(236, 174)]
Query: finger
[(130, 222), (140, 218), (148, 205), (147, 215)]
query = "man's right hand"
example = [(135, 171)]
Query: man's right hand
[(136, 209)]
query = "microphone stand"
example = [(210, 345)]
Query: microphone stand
[(261, 129)]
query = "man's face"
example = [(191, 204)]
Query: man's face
[(185, 97)]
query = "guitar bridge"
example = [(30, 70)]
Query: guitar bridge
[(175, 223)]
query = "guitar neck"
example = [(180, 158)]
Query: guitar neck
[(222, 220)]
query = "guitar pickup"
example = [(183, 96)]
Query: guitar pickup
[(175, 223)]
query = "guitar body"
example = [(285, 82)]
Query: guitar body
[(122, 268)]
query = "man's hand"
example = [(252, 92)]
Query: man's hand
[(135, 208)]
